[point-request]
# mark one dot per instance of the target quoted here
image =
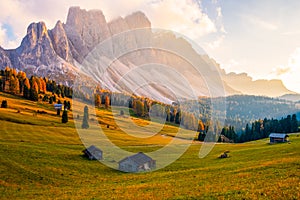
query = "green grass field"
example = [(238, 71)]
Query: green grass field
[(41, 158)]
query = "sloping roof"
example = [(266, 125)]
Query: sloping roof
[(278, 135), (139, 158), (92, 150)]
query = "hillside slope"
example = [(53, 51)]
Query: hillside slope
[(41, 159)]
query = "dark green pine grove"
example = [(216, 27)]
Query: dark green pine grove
[(262, 128)]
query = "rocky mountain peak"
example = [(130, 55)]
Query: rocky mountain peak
[(36, 48), (60, 41), (137, 20), (85, 29), (36, 32), (55, 53)]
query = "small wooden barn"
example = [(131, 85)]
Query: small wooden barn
[(278, 137), (225, 139), (137, 163), (93, 153)]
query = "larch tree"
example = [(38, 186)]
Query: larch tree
[(139, 108), (107, 102), (26, 88), (34, 91), (97, 101)]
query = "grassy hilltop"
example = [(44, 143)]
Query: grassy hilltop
[(41, 159)]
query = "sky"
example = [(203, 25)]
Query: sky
[(259, 37)]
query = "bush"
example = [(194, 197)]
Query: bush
[(4, 104)]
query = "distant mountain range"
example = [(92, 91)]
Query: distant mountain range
[(58, 54)]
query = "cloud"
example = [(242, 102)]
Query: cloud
[(219, 20), (231, 65), (255, 21), (290, 73), (184, 16), (219, 12), (278, 71), (216, 44), (5, 41), (2, 35), (291, 33)]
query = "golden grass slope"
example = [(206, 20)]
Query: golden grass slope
[(41, 159)]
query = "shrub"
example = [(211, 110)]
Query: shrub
[(4, 104)]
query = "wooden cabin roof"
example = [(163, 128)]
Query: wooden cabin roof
[(278, 135), (139, 158)]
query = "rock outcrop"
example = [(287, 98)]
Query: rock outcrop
[(85, 29), (60, 42)]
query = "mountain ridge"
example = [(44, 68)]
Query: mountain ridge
[(56, 53)]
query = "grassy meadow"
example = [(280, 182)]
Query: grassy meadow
[(41, 158)]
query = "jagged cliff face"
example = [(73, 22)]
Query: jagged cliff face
[(85, 29), (36, 48), (58, 52), (4, 58), (60, 42)]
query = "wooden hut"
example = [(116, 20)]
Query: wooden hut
[(93, 153), (278, 137), (137, 163)]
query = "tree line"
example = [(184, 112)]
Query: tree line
[(259, 129), (18, 83), (262, 128)]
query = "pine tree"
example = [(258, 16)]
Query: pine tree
[(168, 114), (69, 105), (64, 117), (26, 88), (201, 136), (58, 112), (85, 120), (178, 117), (294, 123), (54, 98), (288, 124), (66, 105), (1, 85)]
